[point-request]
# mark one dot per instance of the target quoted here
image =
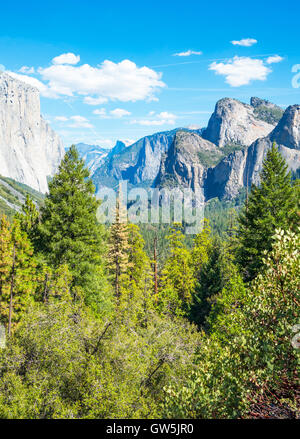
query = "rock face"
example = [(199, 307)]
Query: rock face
[(242, 168), (266, 111), (138, 163), (30, 151), (234, 122), (220, 160), (287, 131), (185, 163), (93, 155)]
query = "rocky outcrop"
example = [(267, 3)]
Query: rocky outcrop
[(30, 151), (234, 122), (242, 168), (185, 163), (287, 131), (266, 111), (187, 158), (138, 163)]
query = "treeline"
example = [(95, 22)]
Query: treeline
[(97, 328)]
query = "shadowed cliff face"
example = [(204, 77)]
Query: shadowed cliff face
[(287, 132), (30, 150)]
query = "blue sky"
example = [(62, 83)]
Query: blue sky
[(125, 69)]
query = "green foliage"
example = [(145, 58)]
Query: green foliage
[(221, 213), (61, 363), (16, 273), (12, 195), (208, 158), (177, 280), (29, 219), (268, 114), (213, 274), (70, 233), (231, 147), (75, 351), (24, 190), (271, 205), (118, 248), (248, 354)]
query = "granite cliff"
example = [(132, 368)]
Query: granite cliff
[(30, 151)]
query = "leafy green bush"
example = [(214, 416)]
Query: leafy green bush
[(248, 352)]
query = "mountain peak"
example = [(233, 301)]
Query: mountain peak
[(234, 122), (287, 132)]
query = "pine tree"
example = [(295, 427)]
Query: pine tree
[(29, 219), (5, 255), (138, 261), (136, 285), (118, 248), (177, 282), (211, 278), (270, 206), (201, 247), (69, 231), (17, 273)]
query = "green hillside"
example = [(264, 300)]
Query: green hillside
[(12, 196)]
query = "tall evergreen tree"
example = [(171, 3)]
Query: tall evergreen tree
[(29, 219), (17, 273), (118, 248), (136, 284), (211, 277), (271, 205), (69, 231), (177, 280)]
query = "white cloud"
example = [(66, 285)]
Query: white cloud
[(2, 68), (245, 42), (61, 119), (241, 70), (194, 127), (94, 101), (119, 112), (66, 58), (122, 81), (26, 69), (100, 112), (163, 118), (80, 122), (77, 121), (187, 53), (274, 59)]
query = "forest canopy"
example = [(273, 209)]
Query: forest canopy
[(105, 322)]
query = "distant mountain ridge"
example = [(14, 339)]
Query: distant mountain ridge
[(220, 159), (138, 163)]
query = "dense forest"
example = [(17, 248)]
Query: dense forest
[(137, 322)]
